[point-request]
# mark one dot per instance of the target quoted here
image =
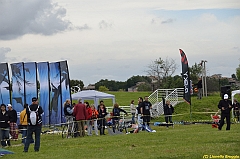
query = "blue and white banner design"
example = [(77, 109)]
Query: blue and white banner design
[(30, 77), (44, 92), (65, 85), (17, 86), (56, 101), (4, 84)]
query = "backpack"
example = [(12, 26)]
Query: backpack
[(33, 116), (116, 112)]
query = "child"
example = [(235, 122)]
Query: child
[(216, 120)]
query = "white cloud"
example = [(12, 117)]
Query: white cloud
[(3, 52), (32, 17), (121, 38)]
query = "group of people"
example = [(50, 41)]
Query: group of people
[(143, 114), (8, 124), (225, 105)]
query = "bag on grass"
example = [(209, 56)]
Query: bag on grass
[(33, 116)]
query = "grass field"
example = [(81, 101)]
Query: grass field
[(182, 141)]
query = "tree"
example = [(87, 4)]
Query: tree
[(132, 81), (160, 69), (238, 72), (78, 83), (195, 72), (144, 87), (111, 85), (103, 89)]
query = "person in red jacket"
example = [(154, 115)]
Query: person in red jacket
[(80, 114), (89, 119), (94, 119)]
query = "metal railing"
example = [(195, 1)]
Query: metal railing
[(172, 95)]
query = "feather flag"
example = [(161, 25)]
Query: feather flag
[(186, 77)]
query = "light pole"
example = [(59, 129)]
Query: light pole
[(204, 79)]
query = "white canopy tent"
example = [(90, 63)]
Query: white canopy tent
[(93, 95), (233, 94)]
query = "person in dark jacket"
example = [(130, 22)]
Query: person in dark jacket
[(68, 111), (225, 105), (13, 122), (4, 126), (116, 115), (102, 112), (199, 87), (145, 110), (138, 112), (236, 109), (168, 111), (36, 129)]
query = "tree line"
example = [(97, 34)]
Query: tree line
[(159, 75)]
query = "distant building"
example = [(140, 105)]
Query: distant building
[(89, 87)]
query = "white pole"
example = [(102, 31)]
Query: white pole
[(205, 78)]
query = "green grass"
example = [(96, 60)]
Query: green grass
[(182, 141)]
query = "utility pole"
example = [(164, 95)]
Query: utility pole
[(204, 78)]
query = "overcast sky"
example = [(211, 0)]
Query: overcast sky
[(115, 40)]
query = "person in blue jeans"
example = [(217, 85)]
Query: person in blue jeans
[(4, 126), (34, 127), (24, 123)]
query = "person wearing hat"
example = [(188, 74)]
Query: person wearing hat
[(13, 122), (35, 128), (225, 105)]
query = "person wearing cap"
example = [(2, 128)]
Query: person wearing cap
[(13, 122), (36, 129), (225, 105), (4, 126)]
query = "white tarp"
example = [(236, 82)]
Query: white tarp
[(93, 95), (235, 92)]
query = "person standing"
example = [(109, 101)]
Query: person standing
[(68, 111), (13, 122), (145, 111), (168, 111), (133, 111), (34, 119), (236, 109), (23, 122), (225, 105), (80, 113), (4, 126), (102, 112), (94, 119), (138, 112), (116, 115), (89, 119), (199, 87)]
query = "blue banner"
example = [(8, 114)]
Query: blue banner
[(65, 85), (17, 86), (56, 101), (4, 84), (44, 92), (30, 77)]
